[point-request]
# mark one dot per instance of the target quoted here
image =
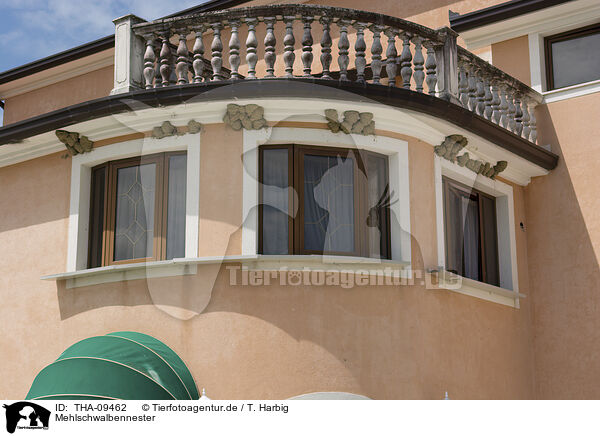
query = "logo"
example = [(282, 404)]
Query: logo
[(26, 415)]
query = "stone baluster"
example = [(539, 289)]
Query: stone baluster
[(270, 41), (343, 47), (503, 108), (216, 47), (526, 118), (326, 47), (173, 75), (518, 116), (198, 49), (157, 50), (431, 68), (288, 41), (512, 110), (234, 50), (391, 54), (149, 59), (307, 42), (165, 60), (360, 47), (251, 45), (532, 124), (495, 104), (418, 62), (183, 59), (472, 90), (406, 61), (376, 50), (480, 96), (487, 100), (463, 86)]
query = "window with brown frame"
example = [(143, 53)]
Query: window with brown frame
[(323, 200), (573, 57), (137, 210), (471, 233)]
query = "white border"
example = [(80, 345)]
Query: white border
[(396, 149), (77, 251), (507, 247)]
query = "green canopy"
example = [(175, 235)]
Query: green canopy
[(120, 365)]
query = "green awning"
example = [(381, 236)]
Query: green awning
[(121, 365)]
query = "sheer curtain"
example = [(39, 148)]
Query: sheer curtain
[(328, 203), (275, 199)]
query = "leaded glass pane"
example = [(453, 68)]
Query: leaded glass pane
[(134, 223)]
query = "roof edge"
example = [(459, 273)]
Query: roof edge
[(500, 12)]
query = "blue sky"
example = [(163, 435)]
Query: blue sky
[(34, 29)]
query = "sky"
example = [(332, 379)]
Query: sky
[(34, 29)]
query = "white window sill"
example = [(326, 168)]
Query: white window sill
[(453, 282), (571, 91), (188, 266)]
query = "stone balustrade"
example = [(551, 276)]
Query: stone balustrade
[(320, 42)]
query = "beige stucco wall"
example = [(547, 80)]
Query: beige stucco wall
[(78, 89), (512, 57), (563, 234), (258, 341)]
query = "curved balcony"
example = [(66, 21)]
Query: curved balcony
[(369, 48), (272, 50)]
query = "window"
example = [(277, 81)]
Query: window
[(138, 210), (471, 233), (573, 57), (322, 200)]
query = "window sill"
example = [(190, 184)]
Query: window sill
[(188, 266), (474, 288), (571, 91)]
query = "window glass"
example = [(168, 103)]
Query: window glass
[(379, 197), (176, 206), (138, 209), (275, 201), (324, 200), (328, 203), (97, 216), (134, 223), (573, 58), (471, 233), (488, 214)]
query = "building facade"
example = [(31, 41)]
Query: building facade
[(392, 200)]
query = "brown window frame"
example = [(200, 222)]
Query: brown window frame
[(107, 213), (549, 40), (472, 193), (296, 153)]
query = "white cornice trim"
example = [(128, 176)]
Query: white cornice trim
[(429, 129), (564, 16), (57, 74)]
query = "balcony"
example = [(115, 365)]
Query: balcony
[(337, 47), (301, 53)]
